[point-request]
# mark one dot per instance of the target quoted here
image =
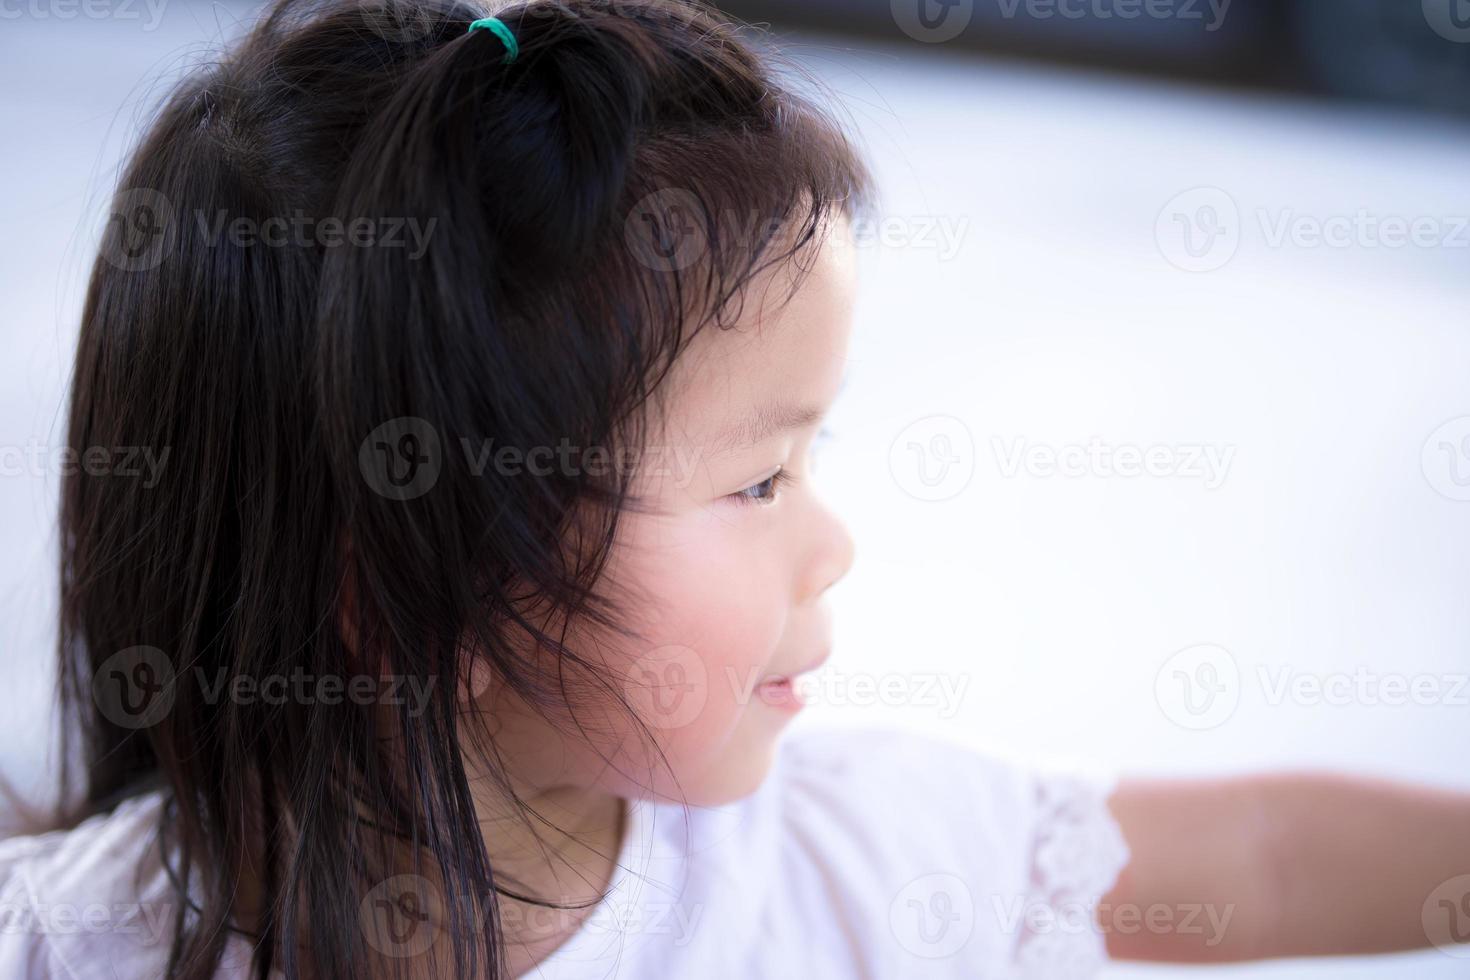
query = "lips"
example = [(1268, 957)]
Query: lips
[(782, 691)]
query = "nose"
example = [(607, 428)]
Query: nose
[(830, 556)]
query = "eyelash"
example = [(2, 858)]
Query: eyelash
[(779, 479), (776, 481)]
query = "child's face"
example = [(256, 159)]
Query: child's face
[(722, 569)]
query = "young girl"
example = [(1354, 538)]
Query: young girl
[(456, 632)]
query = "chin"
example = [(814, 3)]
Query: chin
[(736, 774)]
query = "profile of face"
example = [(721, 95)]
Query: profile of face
[(723, 566)]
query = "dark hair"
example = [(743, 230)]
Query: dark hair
[(549, 301)]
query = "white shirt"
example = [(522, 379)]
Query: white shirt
[(865, 853)]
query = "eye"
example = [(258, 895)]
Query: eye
[(764, 492)]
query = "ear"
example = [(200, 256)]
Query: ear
[(476, 675)]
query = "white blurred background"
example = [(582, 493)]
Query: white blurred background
[(1029, 289)]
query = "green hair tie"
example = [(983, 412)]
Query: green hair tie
[(496, 25)]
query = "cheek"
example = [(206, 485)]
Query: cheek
[(712, 611), (707, 596)]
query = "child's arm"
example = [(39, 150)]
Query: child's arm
[(1281, 865)]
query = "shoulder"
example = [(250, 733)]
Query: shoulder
[(93, 900), (1026, 853), (924, 781), (845, 760)]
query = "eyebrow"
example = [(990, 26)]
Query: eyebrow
[(763, 424)]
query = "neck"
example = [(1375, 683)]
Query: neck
[(557, 839), (556, 846)]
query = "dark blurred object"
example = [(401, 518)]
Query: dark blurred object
[(1414, 51), (1409, 51)]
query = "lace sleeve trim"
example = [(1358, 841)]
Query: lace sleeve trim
[(1078, 852)]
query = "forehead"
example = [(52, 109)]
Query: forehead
[(786, 348)]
